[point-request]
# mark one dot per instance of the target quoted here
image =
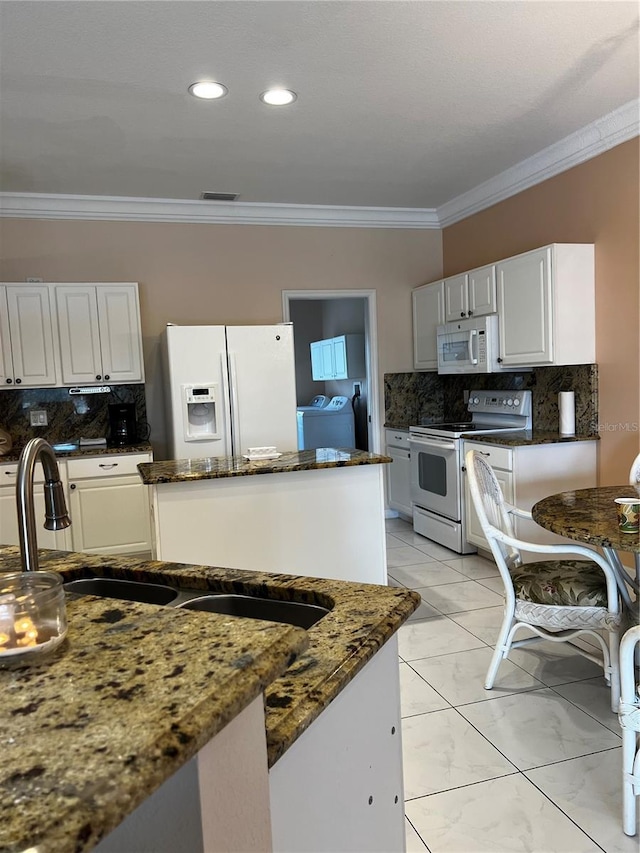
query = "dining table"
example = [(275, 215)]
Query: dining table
[(590, 516)]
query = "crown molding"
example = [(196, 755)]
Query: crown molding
[(604, 133), (120, 208), (596, 138)]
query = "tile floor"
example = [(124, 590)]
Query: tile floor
[(534, 764)]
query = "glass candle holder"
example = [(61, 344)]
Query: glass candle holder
[(32, 614)]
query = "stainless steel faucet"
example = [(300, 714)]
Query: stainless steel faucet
[(56, 515)]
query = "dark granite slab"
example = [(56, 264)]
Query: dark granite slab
[(526, 437), (215, 467), (90, 732), (75, 451)]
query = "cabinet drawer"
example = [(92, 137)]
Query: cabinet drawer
[(496, 456), (397, 438), (9, 473), (105, 466)]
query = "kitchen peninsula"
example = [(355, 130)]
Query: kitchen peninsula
[(318, 513), (142, 695)]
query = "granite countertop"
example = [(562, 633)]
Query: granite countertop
[(72, 450), (136, 690), (528, 437), (215, 467)]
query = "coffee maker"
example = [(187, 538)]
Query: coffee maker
[(122, 424)]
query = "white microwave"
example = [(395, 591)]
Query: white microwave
[(469, 346)]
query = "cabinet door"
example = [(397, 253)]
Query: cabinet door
[(399, 481), (482, 291), (317, 366), (428, 314), (456, 304), (6, 359), (79, 334), (525, 309), (58, 539), (110, 515), (340, 370), (120, 335), (326, 357), (30, 325)]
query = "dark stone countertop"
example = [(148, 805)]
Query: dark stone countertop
[(215, 467), (526, 437), (73, 451), (136, 690)]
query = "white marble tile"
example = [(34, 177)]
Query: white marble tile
[(423, 611), (459, 677), (483, 623), (539, 727), (474, 566), (413, 842), (507, 815), (404, 556), (396, 526), (393, 541), (553, 663), (459, 597), (442, 751), (494, 583), (391, 581), (427, 574), (433, 549), (416, 696), (588, 790), (432, 637), (593, 696)]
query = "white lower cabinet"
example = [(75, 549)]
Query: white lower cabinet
[(59, 539), (109, 505), (528, 473), (399, 472)]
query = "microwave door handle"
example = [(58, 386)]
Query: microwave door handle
[(472, 343)]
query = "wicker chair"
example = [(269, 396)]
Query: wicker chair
[(557, 599), (629, 716), (634, 480)]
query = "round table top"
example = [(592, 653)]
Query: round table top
[(588, 515)]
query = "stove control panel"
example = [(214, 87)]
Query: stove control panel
[(510, 402)]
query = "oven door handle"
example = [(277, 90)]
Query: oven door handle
[(434, 443)]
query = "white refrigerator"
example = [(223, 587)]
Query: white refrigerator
[(229, 388)]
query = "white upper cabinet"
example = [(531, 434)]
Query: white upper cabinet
[(471, 294), (456, 298), (546, 306), (100, 333), (341, 357), (428, 314), (27, 349)]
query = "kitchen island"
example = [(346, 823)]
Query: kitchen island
[(317, 513), (139, 694)]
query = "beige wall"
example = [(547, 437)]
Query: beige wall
[(229, 274), (596, 202)]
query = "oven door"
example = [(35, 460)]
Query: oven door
[(436, 475)]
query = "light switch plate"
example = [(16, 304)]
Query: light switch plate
[(38, 417)]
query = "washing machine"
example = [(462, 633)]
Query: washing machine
[(328, 425)]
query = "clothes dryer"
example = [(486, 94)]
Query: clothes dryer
[(331, 425)]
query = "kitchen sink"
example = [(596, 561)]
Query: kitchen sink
[(297, 613), (292, 612), (147, 593)]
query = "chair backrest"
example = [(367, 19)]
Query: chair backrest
[(488, 501), (634, 473)]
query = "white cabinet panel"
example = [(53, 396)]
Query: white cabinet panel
[(428, 314), (399, 472), (79, 334), (9, 514), (456, 299), (525, 309), (341, 357), (6, 359), (482, 291), (120, 336), (29, 357)]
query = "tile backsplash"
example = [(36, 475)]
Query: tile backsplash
[(420, 398), (69, 416)]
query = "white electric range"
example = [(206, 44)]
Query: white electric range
[(437, 466)]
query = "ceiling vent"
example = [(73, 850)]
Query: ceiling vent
[(219, 196)]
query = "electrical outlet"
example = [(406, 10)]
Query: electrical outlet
[(38, 417)]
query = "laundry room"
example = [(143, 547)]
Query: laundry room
[(332, 376)]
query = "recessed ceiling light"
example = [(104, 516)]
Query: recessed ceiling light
[(278, 97), (208, 89)]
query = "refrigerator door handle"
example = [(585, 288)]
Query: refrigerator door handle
[(235, 406)]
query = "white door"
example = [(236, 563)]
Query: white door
[(6, 360), (456, 305), (30, 323), (340, 370), (79, 334), (120, 337), (482, 291), (262, 387), (428, 314), (525, 308)]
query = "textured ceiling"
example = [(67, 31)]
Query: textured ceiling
[(400, 104)]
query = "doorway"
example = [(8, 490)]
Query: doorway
[(322, 314)]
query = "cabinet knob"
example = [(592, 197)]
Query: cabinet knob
[(471, 313), (9, 381), (98, 376), (462, 314), (499, 360), (106, 376), (18, 381), (72, 486)]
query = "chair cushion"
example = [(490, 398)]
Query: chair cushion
[(579, 583)]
